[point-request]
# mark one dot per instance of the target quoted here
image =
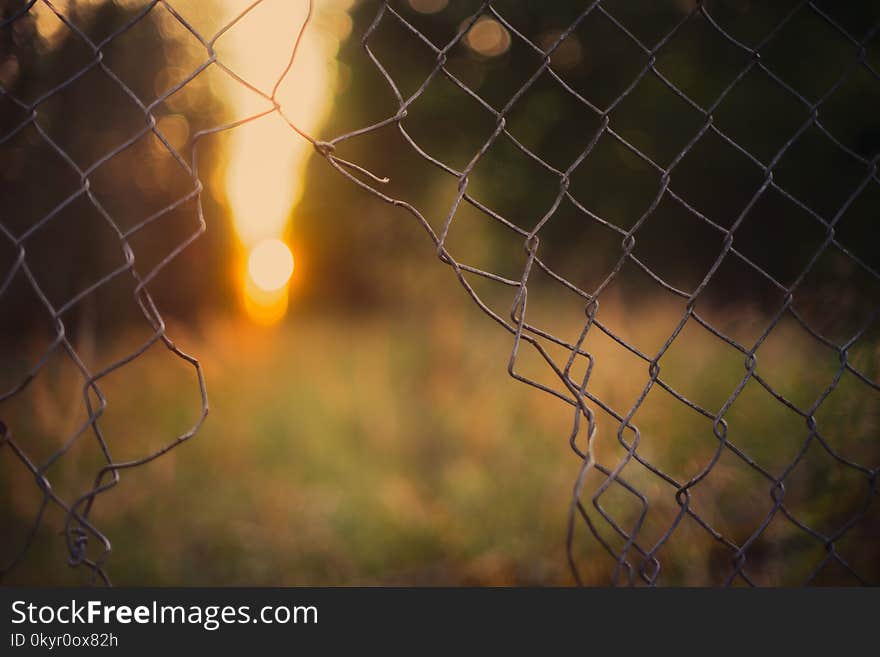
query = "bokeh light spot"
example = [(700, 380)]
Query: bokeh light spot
[(270, 265), (488, 37), (428, 6), (567, 55)]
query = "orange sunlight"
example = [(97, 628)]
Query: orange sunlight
[(265, 159), (270, 265)]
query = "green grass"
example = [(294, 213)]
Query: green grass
[(365, 450)]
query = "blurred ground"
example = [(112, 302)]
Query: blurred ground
[(336, 452), (396, 450)]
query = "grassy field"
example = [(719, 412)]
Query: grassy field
[(396, 450)]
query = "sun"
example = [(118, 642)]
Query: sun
[(270, 265), (267, 281)]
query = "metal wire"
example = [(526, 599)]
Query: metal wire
[(634, 560)]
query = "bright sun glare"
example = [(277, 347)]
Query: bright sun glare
[(270, 265), (265, 159)]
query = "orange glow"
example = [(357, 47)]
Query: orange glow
[(428, 6), (270, 265), (264, 307), (488, 37), (265, 158)]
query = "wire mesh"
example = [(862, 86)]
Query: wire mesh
[(634, 558)]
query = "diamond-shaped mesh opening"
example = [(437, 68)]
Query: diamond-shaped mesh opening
[(759, 117), (664, 310), (620, 199), (732, 509), (409, 73), (657, 121), (157, 236), (494, 63), (479, 240), (847, 113), (49, 416), (605, 382), (735, 301), (661, 407), (678, 372), (773, 220), (120, 385), (701, 62), (768, 433), (43, 52), (143, 179), (824, 493), (552, 311), (809, 371), (568, 226), (822, 288), (672, 235), (537, 118), (433, 125), (716, 180), (154, 73), (808, 70), (27, 161), (525, 178), (831, 177), (78, 224), (91, 137), (611, 61)]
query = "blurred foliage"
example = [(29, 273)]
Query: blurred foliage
[(87, 115), (356, 247), (353, 254)]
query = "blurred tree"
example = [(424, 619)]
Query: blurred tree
[(82, 113), (356, 255)]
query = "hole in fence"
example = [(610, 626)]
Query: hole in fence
[(696, 308)]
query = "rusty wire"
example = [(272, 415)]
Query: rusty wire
[(634, 560)]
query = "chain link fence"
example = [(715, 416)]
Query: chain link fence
[(622, 478)]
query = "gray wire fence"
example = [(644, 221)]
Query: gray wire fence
[(605, 477)]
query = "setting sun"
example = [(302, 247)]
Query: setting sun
[(265, 158), (270, 265)]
